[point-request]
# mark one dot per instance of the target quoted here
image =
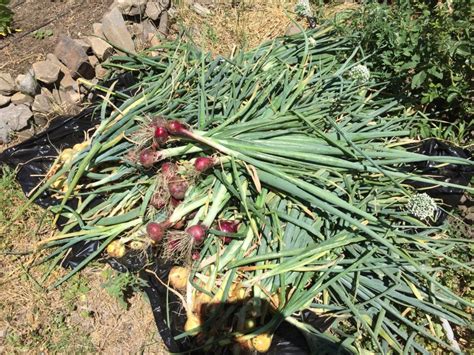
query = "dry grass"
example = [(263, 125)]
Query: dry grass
[(244, 26)]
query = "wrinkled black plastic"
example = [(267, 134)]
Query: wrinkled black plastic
[(33, 158), (453, 173)]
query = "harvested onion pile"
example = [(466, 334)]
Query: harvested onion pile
[(279, 182)]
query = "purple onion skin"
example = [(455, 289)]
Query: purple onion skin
[(178, 189), (161, 135), (196, 255), (202, 164), (147, 158), (229, 227), (197, 232), (156, 231), (176, 128)]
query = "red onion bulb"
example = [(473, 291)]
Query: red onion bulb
[(203, 163), (197, 232)]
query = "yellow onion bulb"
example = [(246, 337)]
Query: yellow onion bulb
[(262, 342), (116, 249), (192, 322), (178, 277)]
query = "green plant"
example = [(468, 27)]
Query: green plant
[(307, 160), (6, 18), (42, 33), (422, 48), (121, 285)]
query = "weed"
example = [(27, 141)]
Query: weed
[(42, 33), (6, 18), (122, 285)]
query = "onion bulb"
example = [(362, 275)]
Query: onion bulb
[(201, 164), (178, 189), (156, 231), (116, 249), (197, 232), (161, 135), (176, 128), (228, 227), (192, 322), (178, 277), (262, 342), (147, 157)]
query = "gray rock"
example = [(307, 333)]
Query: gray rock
[(97, 29), (148, 28), (4, 100), (74, 58), (20, 98), (13, 118), (131, 7), (165, 4), (43, 103), (93, 60), (100, 72), (53, 59), (7, 85), (68, 83), (46, 71), (153, 10), (200, 10), (100, 48), (116, 32), (292, 30), (27, 84), (163, 27), (84, 43)]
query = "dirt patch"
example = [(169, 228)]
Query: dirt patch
[(70, 17), (87, 314)]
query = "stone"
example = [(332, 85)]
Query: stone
[(43, 103), (93, 60), (153, 10), (131, 7), (27, 84), (4, 100), (13, 118), (100, 48), (163, 27), (148, 28), (52, 58), (154, 41), (97, 29), (20, 98), (165, 4), (74, 57), (200, 10), (68, 83), (84, 44), (100, 72), (46, 71), (116, 32), (7, 85), (292, 29)]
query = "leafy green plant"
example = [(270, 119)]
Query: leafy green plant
[(43, 33), (6, 18), (121, 285), (423, 50)]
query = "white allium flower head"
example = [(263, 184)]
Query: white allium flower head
[(422, 206), (303, 8), (360, 72)]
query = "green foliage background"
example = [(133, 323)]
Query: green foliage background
[(6, 16), (422, 48)]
